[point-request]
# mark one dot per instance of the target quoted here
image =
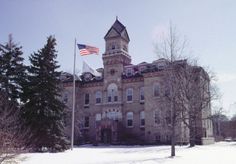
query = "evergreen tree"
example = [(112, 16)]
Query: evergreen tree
[(12, 70), (43, 112)]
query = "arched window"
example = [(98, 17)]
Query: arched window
[(129, 94), (112, 93), (129, 118), (98, 96), (156, 90), (142, 119)]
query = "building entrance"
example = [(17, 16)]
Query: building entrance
[(106, 136)]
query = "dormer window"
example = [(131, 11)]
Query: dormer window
[(87, 76), (161, 65), (129, 72), (113, 46), (141, 69)]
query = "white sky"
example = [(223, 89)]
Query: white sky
[(209, 26)]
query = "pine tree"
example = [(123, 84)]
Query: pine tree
[(43, 112), (12, 70)]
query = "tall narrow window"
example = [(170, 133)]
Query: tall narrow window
[(98, 96), (112, 93), (142, 94), (86, 122), (129, 94), (157, 119), (129, 117), (86, 99), (156, 90), (142, 119)]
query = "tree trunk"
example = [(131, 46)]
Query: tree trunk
[(192, 133), (173, 141)]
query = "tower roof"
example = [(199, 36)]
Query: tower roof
[(117, 30)]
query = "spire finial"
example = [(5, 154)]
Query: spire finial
[(116, 17)]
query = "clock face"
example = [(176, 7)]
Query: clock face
[(112, 71)]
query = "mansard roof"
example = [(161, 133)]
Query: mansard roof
[(117, 30)]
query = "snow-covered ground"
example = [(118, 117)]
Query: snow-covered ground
[(219, 153)]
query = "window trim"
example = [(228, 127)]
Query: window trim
[(128, 119), (141, 90), (140, 117), (98, 95), (131, 93)]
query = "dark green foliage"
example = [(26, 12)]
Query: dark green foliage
[(43, 112), (12, 70)]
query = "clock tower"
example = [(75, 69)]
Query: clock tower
[(116, 54)]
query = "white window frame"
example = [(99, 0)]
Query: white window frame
[(141, 93), (129, 92), (98, 117), (130, 117), (98, 95), (142, 117), (129, 72), (112, 92)]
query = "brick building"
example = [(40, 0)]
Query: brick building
[(122, 105)]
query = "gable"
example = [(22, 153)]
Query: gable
[(125, 35), (112, 33)]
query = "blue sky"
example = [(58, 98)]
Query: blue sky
[(209, 26)]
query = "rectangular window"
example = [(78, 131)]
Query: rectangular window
[(109, 99), (115, 98), (156, 90), (129, 72), (98, 117), (129, 117), (142, 94), (129, 94), (98, 97), (98, 100), (86, 122), (86, 99), (142, 119), (129, 123)]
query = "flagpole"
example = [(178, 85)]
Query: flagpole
[(73, 107)]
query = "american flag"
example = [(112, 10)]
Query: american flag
[(87, 50)]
